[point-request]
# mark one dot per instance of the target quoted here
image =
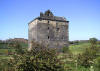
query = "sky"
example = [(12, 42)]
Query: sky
[(83, 17)]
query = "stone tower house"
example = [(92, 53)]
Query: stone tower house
[(50, 30)]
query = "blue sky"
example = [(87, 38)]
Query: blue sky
[(84, 16)]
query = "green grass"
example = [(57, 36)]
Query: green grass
[(4, 57), (69, 62), (3, 45), (79, 48), (24, 45), (5, 51)]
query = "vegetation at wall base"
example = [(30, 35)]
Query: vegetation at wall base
[(39, 58)]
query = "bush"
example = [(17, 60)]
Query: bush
[(71, 42), (86, 59), (18, 48), (97, 64), (39, 58), (65, 49)]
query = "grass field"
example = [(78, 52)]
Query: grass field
[(4, 54), (79, 48), (75, 49), (69, 62)]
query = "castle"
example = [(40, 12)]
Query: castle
[(50, 30)]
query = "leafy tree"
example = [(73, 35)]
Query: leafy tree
[(93, 41), (71, 42), (76, 42)]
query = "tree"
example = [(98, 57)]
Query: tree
[(93, 41)]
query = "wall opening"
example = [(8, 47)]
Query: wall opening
[(48, 28), (48, 37), (48, 21)]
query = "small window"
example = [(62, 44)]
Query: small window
[(48, 27), (57, 29), (48, 37), (48, 21), (48, 14)]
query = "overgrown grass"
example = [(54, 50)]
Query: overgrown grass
[(79, 48), (69, 63), (24, 45), (6, 51)]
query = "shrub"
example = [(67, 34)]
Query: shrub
[(18, 48), (86, 59), (71, 42), (97, 64), (39, 58), (65, 49)]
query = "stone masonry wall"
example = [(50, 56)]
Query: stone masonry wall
[(52, 33)]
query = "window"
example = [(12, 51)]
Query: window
[(57, 29), (48, 21), (48, 37), (62, 37), (48, 14)]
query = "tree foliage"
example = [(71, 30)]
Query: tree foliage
[(93, 41)]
